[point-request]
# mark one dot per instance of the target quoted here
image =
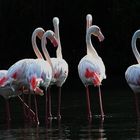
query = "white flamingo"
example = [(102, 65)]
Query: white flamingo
[(91, 68), (38, 32), (60, 68), (132, 73)]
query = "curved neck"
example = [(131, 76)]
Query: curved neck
[(134, 47), (43, 45), (34, 44), (59, 49), (90, 49)]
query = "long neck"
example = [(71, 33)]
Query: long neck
[(46, 54), (134, 47), (34, 45), (59, 49), (90, 49)]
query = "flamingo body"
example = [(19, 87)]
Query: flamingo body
[(90, 68), (7, 91)]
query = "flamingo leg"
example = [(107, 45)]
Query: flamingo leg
[(46, 107), (59, 103), (101, 106), (49, 103), (88, 103), (137, 105), (36, 110), (8, 111), (32, 114)]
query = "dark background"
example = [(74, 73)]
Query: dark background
[(118, 20)]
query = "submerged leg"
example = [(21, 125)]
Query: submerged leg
[(88, 103), (59, 103), (36, 110), (101, 106)]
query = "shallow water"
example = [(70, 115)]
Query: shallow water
[(120, 123)]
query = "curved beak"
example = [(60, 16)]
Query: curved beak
[(101, 36)]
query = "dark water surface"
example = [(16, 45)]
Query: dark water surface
[(120, 123)]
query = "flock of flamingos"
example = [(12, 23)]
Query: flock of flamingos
[(36, 76)]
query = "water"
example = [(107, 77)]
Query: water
[(120, 123)]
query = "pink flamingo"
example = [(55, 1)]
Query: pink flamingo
[(60, 68), (132, 73), (91, 68)]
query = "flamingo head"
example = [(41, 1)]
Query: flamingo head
[(52, 38), (97, 32), (40, 34)]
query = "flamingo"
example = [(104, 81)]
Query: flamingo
[(60, 68), (32, 73), (38, 32), (91, 68), (132, 73)]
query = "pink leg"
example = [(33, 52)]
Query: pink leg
[(46, 107), (88, 103), (101, 106), (59, 103), (49, 103), (36, 110), (137, 105), (8, 111)]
